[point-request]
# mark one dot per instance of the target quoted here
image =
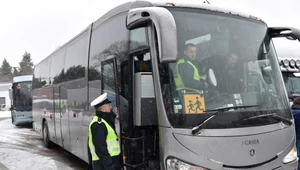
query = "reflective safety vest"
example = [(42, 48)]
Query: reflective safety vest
[(177, 77), (113, 145), (62, 105)]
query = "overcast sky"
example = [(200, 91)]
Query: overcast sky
[(40, 26)]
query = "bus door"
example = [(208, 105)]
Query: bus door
[(139, 123), (109, 84)]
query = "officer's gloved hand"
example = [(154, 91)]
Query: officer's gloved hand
[(117, 113)]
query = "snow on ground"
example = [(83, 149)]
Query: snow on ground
[(18, 159), (21, 148), (4, 114)]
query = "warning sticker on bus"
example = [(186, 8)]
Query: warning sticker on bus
[(194, 103)]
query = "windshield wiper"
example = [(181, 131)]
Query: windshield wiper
[(273, 115), (219, 111)]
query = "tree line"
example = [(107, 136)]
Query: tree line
[(7, 72)]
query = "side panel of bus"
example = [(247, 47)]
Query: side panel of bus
[(60, 95), (37, 125), (57, 77), (75, 89), (41, 94), (79, 72), (109, 41)]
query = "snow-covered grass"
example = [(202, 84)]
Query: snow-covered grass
[(5, 114)]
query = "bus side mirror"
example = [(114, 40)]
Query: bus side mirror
[(165, 27), (212, 78), (288, 32)]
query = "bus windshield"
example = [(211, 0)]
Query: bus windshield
[(236, 65), (22, 99), (292, 83)]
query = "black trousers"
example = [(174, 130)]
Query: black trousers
[(97, 165)]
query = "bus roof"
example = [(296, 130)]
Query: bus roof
[(175, 3), (131, 4), (24, 78)]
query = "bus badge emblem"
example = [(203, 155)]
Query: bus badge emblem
[(252, 152)]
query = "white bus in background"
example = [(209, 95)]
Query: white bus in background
[(290, 69), (21, 97), (4, 96)]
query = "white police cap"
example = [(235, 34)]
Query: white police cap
[(101, 100)]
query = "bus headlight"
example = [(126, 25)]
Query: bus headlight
[(291, 156), (175, 164)]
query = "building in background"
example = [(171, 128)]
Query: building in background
[(4, 96)]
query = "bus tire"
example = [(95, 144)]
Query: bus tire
[(46, 140), (90, 166), (12, 119)]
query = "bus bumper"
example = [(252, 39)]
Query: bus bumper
[(22, 118)]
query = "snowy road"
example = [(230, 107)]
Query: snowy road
[(21, 149)]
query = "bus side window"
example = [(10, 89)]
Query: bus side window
[(109, 80)]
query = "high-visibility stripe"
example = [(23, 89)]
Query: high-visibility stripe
[(112, 143), (93, 152), (113, 149)]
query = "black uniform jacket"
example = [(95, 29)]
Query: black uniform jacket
[(99, 133)]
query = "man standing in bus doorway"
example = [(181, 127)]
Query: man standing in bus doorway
[(186, 74), (103, 140)]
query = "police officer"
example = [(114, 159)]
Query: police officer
[(186, 74), (103, 140)]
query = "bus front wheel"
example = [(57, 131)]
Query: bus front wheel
[(46, 140), (12, 119)]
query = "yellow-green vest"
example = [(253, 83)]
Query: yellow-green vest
[(62, 105), (177, 78), (113, 145)]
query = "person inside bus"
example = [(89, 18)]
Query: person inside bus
[(186, 73), (296, 114), (231, 70), (141, 65), (103, 140), (227, 72)]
